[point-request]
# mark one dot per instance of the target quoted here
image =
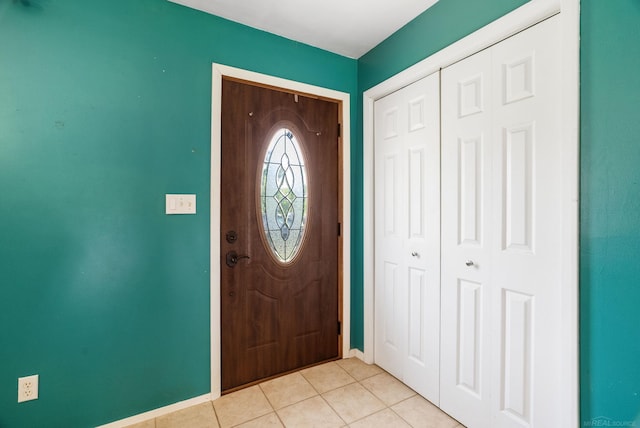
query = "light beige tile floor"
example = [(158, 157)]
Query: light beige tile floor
[(344, 393)]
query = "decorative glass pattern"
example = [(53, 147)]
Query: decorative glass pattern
[(283, 195)]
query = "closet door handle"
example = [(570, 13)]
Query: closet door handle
[(469, 263)]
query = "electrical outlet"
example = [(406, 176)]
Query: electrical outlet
[(27, 388)]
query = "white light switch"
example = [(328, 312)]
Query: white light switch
[(180, 204)]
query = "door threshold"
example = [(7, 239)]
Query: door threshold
[(265, 379)]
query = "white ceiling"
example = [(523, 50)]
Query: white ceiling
[(346, 27)]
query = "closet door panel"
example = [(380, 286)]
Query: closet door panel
[(467, 156), (407, 235), (527, 262), (501, 277)]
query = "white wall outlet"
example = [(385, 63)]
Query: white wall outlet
[(27, 388), (180, 204)]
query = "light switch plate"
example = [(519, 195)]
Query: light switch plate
[(180, 204)]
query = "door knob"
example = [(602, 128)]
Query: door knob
[(233, 258), (469, 263), (415, 254)]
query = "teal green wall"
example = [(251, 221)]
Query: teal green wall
[(439, 26), (104, 107), (610, 210)]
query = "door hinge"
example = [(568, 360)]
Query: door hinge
[(339, 130), (339, 229), (339, 328)]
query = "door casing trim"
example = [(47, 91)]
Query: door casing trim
[(218, 72), (525, 16)]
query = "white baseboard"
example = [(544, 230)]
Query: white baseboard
[(158, 412), (186, 403), (356, 353)]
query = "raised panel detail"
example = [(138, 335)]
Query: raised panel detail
[(390, 203), (470, 182), (416, 114), (263, 305), (390, 296), (391, 123), (518, 349), (518, 188), (416, 193), (417, 290), (518, 79), (469, 329), (309, 321), (470, 96)]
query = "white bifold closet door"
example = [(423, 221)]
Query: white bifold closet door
[(467, 270), (501, 210), (407, 235)]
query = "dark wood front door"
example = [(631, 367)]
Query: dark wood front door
[(279, 232)]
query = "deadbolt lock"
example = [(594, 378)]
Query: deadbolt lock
[(232, 236)]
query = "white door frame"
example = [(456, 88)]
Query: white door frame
[(531, 13), (219, 71)]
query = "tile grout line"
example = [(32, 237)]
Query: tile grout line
[(359, 382), (398, 414), (353, 380), (273, 407), (266, 396), (320, 394), (334, 410), (309, 382), (329, 404), (215, 413), (387, 406), (280, 419)]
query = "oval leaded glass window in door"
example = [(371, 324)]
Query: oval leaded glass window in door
[(283, 195)]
